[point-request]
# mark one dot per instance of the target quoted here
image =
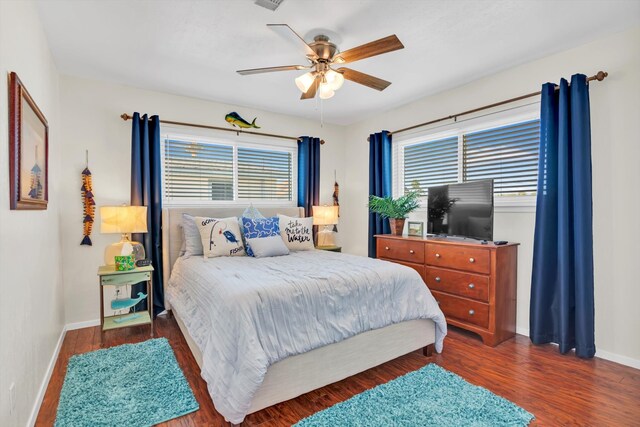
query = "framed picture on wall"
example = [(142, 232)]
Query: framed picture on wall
[(415, 228), (28, 149)]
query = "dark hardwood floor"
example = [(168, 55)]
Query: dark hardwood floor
[(558, 390)]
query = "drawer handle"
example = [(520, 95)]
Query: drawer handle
[(471, 286), (386, 248), (437, 279), (472, 260), (472, 312), (437, 255), (411, 251)]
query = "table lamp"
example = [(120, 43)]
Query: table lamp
[(326, 216), (123, 220)]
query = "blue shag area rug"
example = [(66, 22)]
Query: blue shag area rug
[(430, 396), (128, 385)]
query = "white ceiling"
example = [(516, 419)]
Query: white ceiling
[(193, 48)]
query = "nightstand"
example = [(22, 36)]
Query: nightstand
[(109, 276), (330, 248)]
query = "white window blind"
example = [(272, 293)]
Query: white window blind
[(431, 163), (197, 170), (264, 174), (508, 154)]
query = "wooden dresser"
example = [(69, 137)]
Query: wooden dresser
[(474, 284)]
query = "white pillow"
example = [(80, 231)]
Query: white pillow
[(192, 241), (297, 233), (268, 246), (220, 237)]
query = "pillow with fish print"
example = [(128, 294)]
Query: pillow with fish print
[(220, 237), (255, 228)]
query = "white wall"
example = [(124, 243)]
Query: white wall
[(615, 109), (90, 117), (31, 304)]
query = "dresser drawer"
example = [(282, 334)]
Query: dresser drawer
[(417, 267), (463, 309), (125, 279), (454, 282), (476, 260), (403, 250)]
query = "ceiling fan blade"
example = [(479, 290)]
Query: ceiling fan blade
[(311, 92), (272, 69), (287, 32), (364, 79), (378, 47)]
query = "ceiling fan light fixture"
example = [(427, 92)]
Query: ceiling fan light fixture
[(305, 81), (326, 91), (334, 79)]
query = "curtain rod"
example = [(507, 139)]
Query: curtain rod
[(125, 117), (599, 76)]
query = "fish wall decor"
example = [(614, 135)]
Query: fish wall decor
[(88, 203), (237, 121)]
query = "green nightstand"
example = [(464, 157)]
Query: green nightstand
[(109, 276), (330, 248)]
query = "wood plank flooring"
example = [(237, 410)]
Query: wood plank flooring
[(557, 389)]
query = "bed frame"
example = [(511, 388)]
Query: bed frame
[(302, 373)]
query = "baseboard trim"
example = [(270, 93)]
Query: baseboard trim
[(80, 325), (602, 354), (45, 381)]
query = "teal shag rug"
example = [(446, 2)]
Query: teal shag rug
[(128, 385), (430, 396)]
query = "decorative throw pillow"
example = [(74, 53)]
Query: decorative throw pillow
[(192, 242), (259, 227), (220, 237), (267, 246), (297, 233), (252, 213)]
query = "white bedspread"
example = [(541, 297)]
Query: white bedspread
[(246, 313)]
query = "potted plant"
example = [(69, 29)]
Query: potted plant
[(396, 210)]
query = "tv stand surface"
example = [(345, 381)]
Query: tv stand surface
[(474, 283)]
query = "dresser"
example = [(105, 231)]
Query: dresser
[(474, 284)]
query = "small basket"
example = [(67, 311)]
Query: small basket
[(125, 262)]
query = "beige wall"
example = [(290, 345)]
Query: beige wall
[(90, 120), (31, 304), (615, 109)]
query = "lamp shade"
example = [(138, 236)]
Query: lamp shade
[(325, 215), (123, 219)]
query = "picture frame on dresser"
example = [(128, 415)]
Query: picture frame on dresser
[(28, 150), (415, 228)]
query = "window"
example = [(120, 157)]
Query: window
[(506, 151), (508, 154), (203, 170), (431, 163)]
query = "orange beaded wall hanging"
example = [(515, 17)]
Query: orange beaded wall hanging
[(88, 202)]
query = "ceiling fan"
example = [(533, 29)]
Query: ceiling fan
[(324, 55)]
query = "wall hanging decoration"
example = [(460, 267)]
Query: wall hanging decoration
[(28, 150), (336, 193), (88, 202), (237, 121)]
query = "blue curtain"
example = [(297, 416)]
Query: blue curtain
[(562, 307), (308, 173), (146, 190), (379, 182)]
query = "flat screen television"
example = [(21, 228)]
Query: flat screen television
[(463, 210)]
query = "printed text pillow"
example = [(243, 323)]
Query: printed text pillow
[(255, 228), (220, 237), (297, 233)]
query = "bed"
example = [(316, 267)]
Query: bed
[(236, 314)]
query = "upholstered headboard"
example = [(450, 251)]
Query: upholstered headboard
[(172, 218)]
